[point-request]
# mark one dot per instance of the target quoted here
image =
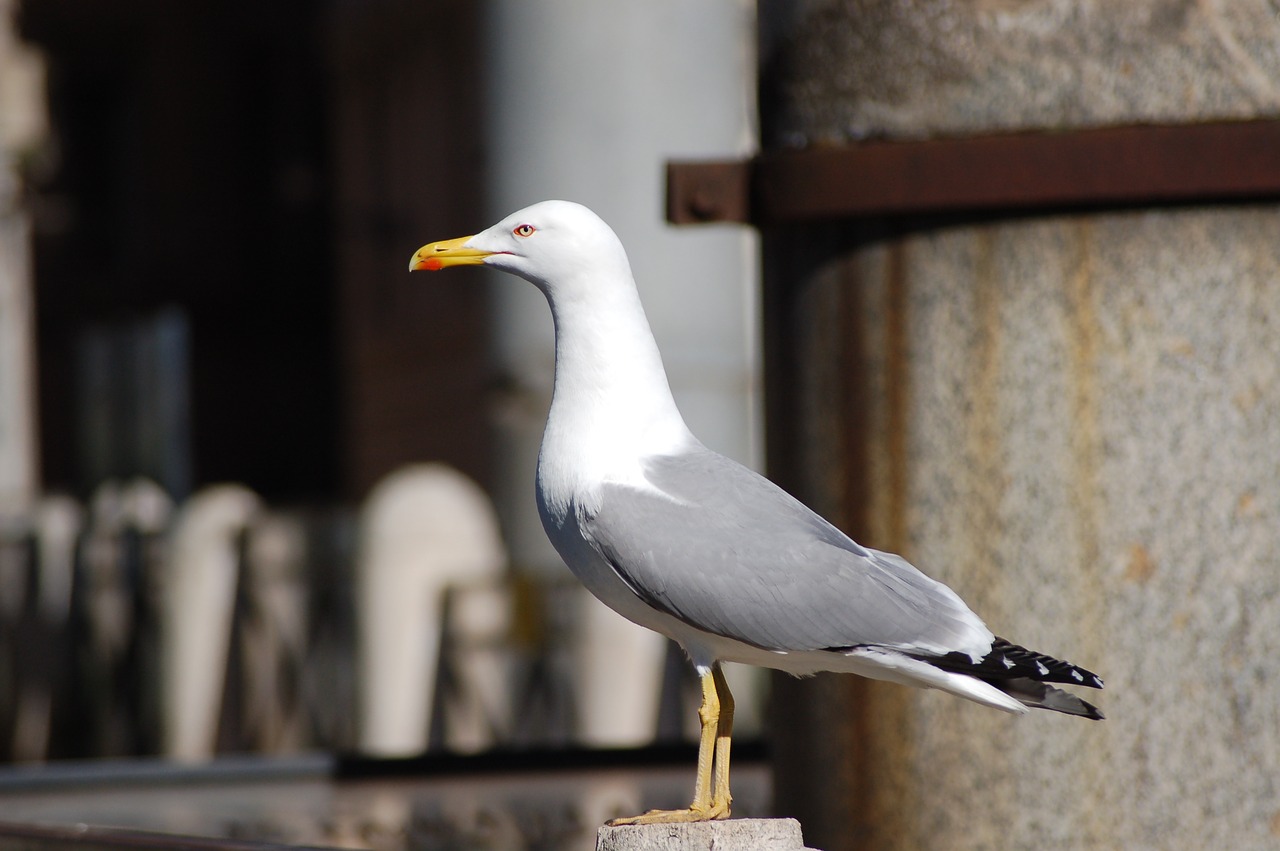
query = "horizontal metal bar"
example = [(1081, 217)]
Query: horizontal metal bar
[(1112, 166), (72, 775), (508, 762), (709, 191)]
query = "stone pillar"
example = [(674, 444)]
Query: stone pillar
[(1070, 419), (22, 126)]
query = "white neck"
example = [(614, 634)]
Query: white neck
[(611, 405)]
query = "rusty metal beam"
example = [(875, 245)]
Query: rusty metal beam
[(1147, 165)]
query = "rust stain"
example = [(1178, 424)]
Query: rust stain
[(897, 395), (1247, 399), (1247, 506), (884, 796), (987, 355), (984, 469), (1084, 346), (1141, 565), (1275, 824)]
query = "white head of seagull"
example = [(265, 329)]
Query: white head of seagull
[(559, 246), (690, 544), (612, 405)]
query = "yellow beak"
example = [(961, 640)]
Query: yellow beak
[(449, 252)]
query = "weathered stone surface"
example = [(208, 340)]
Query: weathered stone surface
[(1090, 409), (728, 835), (1072, 422), (837, 70)]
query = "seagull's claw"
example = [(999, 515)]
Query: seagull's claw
[(714, 812)]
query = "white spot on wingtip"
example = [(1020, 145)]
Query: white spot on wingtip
[(1006, 661), (1041, 668), (1079, 678)]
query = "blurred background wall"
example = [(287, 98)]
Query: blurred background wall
[(211, 229)]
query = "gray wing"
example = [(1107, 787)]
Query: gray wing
[(726, 550)]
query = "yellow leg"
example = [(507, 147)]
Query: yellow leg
[(716, 717), (724, 734)]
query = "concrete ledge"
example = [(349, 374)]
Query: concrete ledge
[(757, 834)]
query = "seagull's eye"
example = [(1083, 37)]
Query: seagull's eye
[(525, 231)]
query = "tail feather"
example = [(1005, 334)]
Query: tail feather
[(1041, 695), (1025, 676)]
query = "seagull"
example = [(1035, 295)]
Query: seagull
[(687, 542)]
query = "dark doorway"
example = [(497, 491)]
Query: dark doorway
[(184, 282)]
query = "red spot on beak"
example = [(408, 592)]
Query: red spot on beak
[(432, 264)]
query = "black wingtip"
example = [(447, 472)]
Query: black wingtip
[(1007, 660)]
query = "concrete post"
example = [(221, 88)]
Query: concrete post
[(729, 835)]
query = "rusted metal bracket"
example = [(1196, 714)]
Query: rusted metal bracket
[(1105, 167)]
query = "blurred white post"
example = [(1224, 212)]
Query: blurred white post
[(586, 102), (109, 600), (423, 529), (197, 606), (56, 522), (273, 634)]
